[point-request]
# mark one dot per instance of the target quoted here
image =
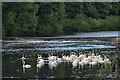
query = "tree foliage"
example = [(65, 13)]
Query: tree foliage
[(58, 18)]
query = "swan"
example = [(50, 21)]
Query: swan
[(93, 54), (39, 65), (52, 58), (89, 57), (59, 59), (63, 57), (73, 56), (81, 63), (106, 60), (70, 59), (52, 63), (23, 58), (39, 56), (67, 58), (76, 60), (26, 66), (40, 62), (93, 63), (100, 60), (85, 61), (75, 63), (98, 56)]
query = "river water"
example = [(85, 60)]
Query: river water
[(97, 34), (14, 48)]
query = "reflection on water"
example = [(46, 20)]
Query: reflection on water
[(13, 65)]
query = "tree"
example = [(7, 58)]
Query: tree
[(54, 15), (57, 18), (21, 18)]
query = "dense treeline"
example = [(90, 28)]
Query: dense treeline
[(52, 19)]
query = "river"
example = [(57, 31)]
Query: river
[(14, 47)]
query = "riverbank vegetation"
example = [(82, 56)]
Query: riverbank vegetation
[(53, 19)]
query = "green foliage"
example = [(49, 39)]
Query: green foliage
[(19, 19), (72, 9), (110, 23), (54, 16), (10, 25), (52, 19)]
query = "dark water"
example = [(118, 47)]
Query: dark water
[(13, 50)]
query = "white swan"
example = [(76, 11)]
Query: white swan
[(40, 62), (59, 59), (39, 56), (26, 66), (100, 60), (81, 63), (67, 58), (75, 63), (63, 57), (52, 58), (93, 63), (52, 63), (39, 65), (85, 61), (93, 54), (73, 56), (106, 60)]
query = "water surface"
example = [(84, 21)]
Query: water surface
[(14, 48)]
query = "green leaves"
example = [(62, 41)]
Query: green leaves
[(20, 19), (54, 16), (58, 18)]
